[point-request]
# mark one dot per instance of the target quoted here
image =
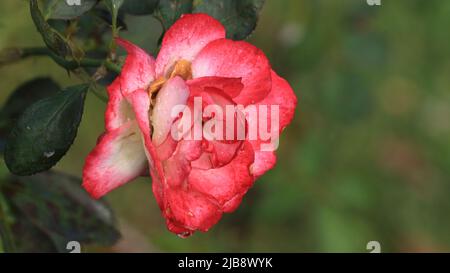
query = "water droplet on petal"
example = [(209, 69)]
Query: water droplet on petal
[(184, 235)]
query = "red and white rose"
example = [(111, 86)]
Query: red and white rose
[(195, 177)]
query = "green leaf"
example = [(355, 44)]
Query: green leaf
[(170, 10), (22, 98), (66, 9), (45, 131), (50, 209), (238, 16), (26, 238), (140, 7), (54, 41)]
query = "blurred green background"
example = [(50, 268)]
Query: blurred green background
[(367, 156)]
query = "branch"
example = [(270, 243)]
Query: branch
[(15, 54)]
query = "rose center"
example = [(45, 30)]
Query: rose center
[(182, 68)]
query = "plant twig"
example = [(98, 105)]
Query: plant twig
[(68, 64)]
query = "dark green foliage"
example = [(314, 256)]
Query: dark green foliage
[(45, 131), (139, 7), (51, 37), (50, 209), (25, 95), (238, 16), (60, 9), (170, 10)]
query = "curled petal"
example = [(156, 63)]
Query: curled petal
[(191, 210), (223, 152), (138, 70), (140, 102), (178, 166), (175, 92), (204, 162), (118, 110), (167, 148), (230, 59), (284, 97), (117, 159), (157, 188), (217, 154), (233, 203), (230, 86), (264, 161), (227, 182), (184, 39)]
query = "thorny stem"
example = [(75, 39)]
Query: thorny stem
[(69, 64), (93, 86), (115, 34)]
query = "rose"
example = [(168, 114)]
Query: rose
[(194, 180)]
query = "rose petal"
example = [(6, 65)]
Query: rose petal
[(204, 162), (223, 153), (178, 166), (157, 188), (174, 92), (184, 39), (140, 102), (225, 115), (283, 96), (233, 203), (226, 58), (138, 70), (228, 181), (191, 210), (264, 161), (230, 86), (117, 159), (167, 148), (118, 110)]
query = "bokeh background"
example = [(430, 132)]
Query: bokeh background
[(367, 156)]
